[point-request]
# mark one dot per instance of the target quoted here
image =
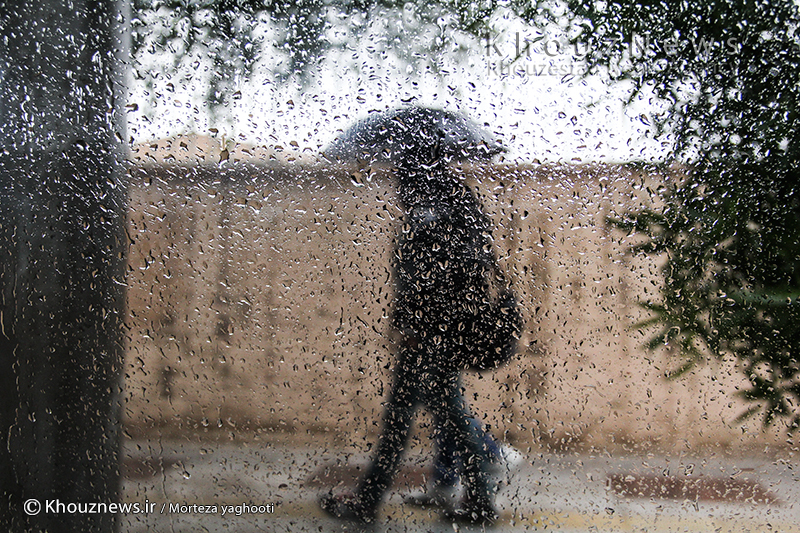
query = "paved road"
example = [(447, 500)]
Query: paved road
[(273, 487)]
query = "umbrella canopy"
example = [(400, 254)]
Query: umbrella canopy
[(413, 136)]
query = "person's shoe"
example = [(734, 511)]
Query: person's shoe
[(435, 496), (502, 466), (347, 507), (474, 513)]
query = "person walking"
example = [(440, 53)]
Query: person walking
[(442, 264)]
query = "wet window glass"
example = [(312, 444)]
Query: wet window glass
[(379, 266)]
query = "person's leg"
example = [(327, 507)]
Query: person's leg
[(447, 462), (489, 443), (452, 416), (447, 465), (397, 420), (441, 489)]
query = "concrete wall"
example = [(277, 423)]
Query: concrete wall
[(259, 300)]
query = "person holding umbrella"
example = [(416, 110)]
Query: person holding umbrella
[(443, 267)]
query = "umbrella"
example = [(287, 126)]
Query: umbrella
[(411, 136)]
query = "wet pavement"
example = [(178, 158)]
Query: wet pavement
[(274, 487)]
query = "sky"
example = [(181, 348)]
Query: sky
[(540, 107)]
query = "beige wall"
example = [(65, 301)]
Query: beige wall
[(258, 300)]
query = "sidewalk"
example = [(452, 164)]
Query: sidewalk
[(274, 487)]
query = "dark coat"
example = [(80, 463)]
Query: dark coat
[(442, 264)]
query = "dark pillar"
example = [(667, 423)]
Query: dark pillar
[(62, 259)]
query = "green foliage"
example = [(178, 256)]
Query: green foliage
[(728, 72), (232, 35), (190, 30)]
